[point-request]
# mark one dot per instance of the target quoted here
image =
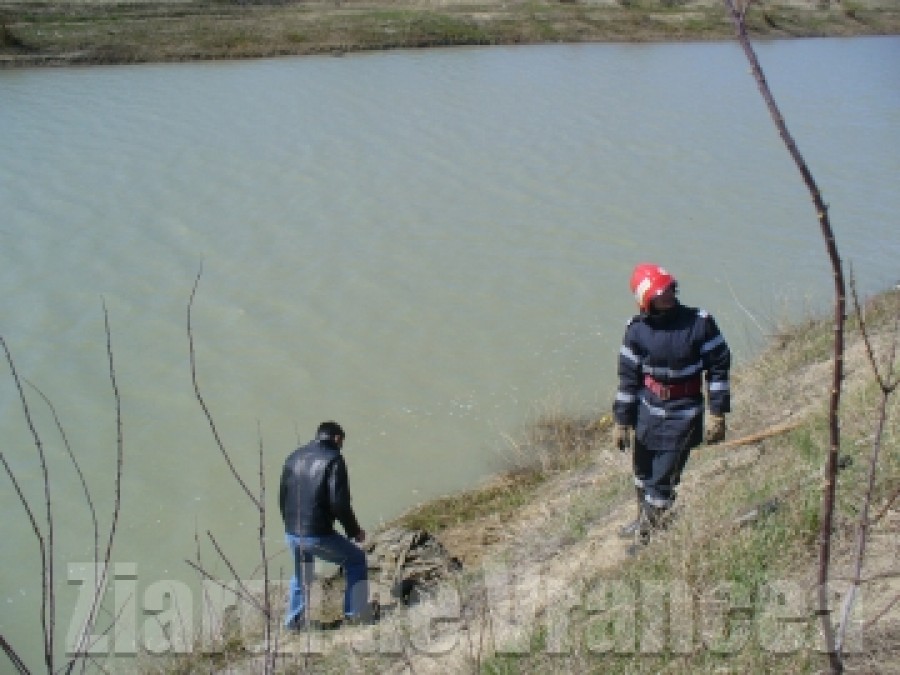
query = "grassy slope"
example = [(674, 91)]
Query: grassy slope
[(566, 531), (41, 32), (747, 526)]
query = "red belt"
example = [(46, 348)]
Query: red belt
[(679, 390)]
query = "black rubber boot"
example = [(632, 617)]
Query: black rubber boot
[(652, 520), (629, 530)]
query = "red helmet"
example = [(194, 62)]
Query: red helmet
[(648, 281)]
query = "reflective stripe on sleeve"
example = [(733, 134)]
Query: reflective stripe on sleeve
[(712, 344), (630, 355), (623, 397)]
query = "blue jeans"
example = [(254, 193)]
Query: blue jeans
[(333, 548)]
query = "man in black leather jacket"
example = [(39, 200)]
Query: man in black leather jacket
[(314, 493)]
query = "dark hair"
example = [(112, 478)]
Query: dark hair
[(329, 430)]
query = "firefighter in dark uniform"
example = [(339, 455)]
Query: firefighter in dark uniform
[(659, 408)]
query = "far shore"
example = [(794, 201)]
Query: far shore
[(130, 31)]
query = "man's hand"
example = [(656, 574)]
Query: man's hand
[(715, 428), (622, 437)]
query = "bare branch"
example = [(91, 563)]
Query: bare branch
[(28, 511), (209, 419), (744, 309), (240, 591), (881, 576), (864, 523), (827, 515), (231, 569), (117, 503), (267, 603), (46, 540), (84, 487), (45, 544), (886, 382), (269, 558), (259, 501), (17, 662), (875, 619), (887, 506), (100, 582), (85, 647)]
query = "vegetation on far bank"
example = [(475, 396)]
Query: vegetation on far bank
[(55, 32)]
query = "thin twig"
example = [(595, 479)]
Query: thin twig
[(206, 599), (875, 619), (887, 506), (240, 591), (884, 381), (209, 419), (269, 558), (45, 543), (745, 310), (259, 501), (16, 660), (24, 502), (267, 603), (880, 576), (114, 619), (82, 646), (84, 486), (100, 583), (183, 624), (120, 441), (230, 567), (864, 523)]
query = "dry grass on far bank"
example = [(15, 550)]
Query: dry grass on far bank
[(34, 32)]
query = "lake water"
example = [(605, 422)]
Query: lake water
[(431, 247)]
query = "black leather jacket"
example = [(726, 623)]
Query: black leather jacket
[(315, 491)]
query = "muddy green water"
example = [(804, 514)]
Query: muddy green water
[(430, 247)]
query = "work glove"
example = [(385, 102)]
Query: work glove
[(715, 428), (622, 437)]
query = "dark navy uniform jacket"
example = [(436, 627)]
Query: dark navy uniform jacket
[(673, 348)]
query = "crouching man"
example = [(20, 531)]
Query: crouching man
[(314, 493)]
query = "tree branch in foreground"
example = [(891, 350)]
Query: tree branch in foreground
[(827, 513)]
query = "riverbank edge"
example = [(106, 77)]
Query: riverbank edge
[(108, 33), (748, 513), (747, 516), (556, 444)]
